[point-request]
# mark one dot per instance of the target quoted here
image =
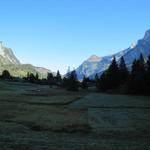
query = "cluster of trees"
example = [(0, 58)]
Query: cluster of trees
[(118, 78), (71, 83), (50, 80), (6, 75)]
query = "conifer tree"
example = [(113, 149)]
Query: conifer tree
[(113, 75), (110, 79), (141, 63), (137, 78), (72, 82), (147, 83), (6, 75), (58, 77), (102, 82), (148, 64), (124, 73), (84, 84), (37, 76), (97, 81), (50, 78), (31, 78)]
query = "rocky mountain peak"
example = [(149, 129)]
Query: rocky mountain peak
[(147, 35), (7, 56), (94, 58), (97, 64)]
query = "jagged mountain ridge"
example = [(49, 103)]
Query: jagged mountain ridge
[(91, 66)]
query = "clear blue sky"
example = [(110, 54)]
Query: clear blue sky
[(60, 33)]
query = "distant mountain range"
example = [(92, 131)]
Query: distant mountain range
[(89, 68), (10, 62), (96, 64)]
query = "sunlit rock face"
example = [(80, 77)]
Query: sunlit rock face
[(96, 64), (7, 56)]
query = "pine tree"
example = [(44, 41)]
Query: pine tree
[(148, 64), (124, 73), (58, 77), (134, 68), (141, 63), (84, 84), (113, 75), (102, 82), (110, 79), (50, 78), (96, 77), (6, 75), (37, 76), (72, 82), (147, 83), (97, 81), (31, 78), (137, 78)]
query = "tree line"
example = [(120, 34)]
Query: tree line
[(118, 78)]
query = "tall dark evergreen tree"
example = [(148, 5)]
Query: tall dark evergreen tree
[(137, 78), (6, 75), (97, 81), (58, 77), (50, 78), (110, 79), (72, 82), (141, 63), (147, 83), (37, 76), (84, 84), (124, 73), (148, 64), (102, 82), (31, 78), (113, 75), (28, 75)]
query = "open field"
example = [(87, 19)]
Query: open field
[(36, 117)]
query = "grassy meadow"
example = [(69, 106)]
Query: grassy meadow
[(38, 117)]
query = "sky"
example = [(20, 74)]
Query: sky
[(59, 33)]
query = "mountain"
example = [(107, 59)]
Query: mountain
[(8, 61), (7, 56), (96, 64)]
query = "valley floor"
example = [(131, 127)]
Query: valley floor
[(35, 117)]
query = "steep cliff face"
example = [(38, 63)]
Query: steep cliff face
[(7, 56)]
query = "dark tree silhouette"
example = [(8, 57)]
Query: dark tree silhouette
[(72, 82), (102, 82), (31, 78), (148, 64), (137, 77), (58, 77), (113, 75), (84, 83), (6, 75), (37, 76), (110, 79), (124, 73), (50, 78), (28, 75), (147, 79)]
